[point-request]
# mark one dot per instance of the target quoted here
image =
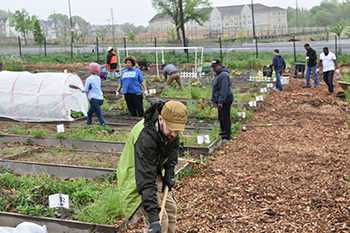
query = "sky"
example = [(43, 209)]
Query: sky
[(138, 12)]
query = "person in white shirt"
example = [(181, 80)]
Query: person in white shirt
[(328, 60)]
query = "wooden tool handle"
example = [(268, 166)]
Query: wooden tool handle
[(189, 161), (162, 204)]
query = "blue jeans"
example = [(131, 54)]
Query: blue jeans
[(278, 72), (95, 107), (314, 73)]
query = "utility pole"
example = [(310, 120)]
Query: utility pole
[(71, 29), (256, 40), (182, 25), (113, 31), (296, 19)]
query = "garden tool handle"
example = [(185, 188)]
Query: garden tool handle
[(162, 204)]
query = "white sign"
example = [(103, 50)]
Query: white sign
[(241, 114), (60, 128), (152, 91), (259, 98), (59, 200), (203, 138), (262, 90), (252, 103), (270, 85)]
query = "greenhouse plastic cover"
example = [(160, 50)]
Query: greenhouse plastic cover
[(40, 97), (24, 227)]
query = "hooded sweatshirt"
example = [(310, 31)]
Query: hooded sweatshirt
[(145, 156), (278, 62), (221, 87)]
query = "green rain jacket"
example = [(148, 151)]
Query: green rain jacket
[(146, 154)]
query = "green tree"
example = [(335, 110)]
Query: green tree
[(5, 14), (172, 33), (38, 34), (78, 19), (131, 31), (58, 17), (338, 28), (22, 22), (102, 32), (196, 10)]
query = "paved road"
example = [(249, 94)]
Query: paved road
[(284, 47)]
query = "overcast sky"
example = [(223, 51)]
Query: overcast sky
[(138, 12)]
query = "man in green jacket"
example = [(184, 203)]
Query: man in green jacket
[(147, 165)]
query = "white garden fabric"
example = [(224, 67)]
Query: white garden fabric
[(40, 97)]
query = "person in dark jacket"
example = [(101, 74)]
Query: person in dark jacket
[(112, 62), (279, 64), (147, 165), (222, 95), (311, 58), (174, 74)]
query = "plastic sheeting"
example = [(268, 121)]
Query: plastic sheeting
[(24, 227), (40, 97)]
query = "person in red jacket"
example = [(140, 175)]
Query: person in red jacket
[(112, 62)]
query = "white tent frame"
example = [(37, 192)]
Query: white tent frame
[(162, 50), (228, 50)]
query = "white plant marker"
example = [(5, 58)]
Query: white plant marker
[(259, 98), (252, 103), (60, 128), (152, 91), (203, 139), (270, 85), (241, 114), (59, 200)]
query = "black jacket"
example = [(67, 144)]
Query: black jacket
[(278, 62), (153, 154), (311, 53), (221, 87)]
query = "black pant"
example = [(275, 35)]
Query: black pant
[(134, 103), (328, 79), (225, 120)]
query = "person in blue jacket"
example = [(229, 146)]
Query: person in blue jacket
[(279, 64), (131, 81), (222, 95), (95, 95)]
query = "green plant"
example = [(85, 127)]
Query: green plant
[(38, 133), (12, 63), (105, 105), (76, 114), (16, 129)]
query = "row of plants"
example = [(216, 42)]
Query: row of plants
[(94, 201)]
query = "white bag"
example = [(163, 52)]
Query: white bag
[(28, 227)]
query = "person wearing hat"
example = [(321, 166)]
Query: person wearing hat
[(95, 95), (222, 95), (147, 165), (112, 62), (174, 74)]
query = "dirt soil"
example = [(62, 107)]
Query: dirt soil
[(73, 68), (278, 178)]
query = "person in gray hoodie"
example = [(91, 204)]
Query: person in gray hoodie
[(222, 95), (279, 64), (174, 74)]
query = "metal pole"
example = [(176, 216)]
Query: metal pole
[(45, 45), (336, 49), (155, 45), (124, 45), (98, 55), (254, 36), (295, 58), (188, 58), (220, 48), (72, 41), (19, 45)]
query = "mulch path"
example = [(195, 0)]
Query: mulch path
[(277, 178)]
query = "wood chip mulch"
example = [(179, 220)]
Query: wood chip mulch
[(276, 178)]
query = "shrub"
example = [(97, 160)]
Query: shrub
[(12, 63)]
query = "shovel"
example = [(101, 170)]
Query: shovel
[(244, 128), (306, 93), (190, 161)]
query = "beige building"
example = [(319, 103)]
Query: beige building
[(232, 18)]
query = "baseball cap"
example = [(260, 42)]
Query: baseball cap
[(215, 63), (175, 115), (109, 48), (162, 65)]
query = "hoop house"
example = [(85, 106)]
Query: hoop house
[(40, 97)]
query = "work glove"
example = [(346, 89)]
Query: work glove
[(117, 94), (306, 58), (268, 66), (168, 180), (145, 92), (284, 71), (337, 70), (155, 227)]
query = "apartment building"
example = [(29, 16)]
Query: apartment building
[(230, 18)]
